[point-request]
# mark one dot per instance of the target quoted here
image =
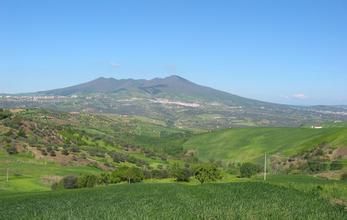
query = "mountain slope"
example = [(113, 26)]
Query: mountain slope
[(179, 102)]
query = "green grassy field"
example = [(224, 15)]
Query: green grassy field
[(333, 190), (26, 174), (171, 201), (250, 144)]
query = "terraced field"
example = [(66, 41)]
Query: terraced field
[(250, 144), (171, 201)]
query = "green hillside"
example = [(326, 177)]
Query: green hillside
[(250, 144), (175, 100), (171, 201)]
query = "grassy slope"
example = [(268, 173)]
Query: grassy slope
[(211, 201), (250, 144), (26, 173)]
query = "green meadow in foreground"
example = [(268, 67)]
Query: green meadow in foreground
[(171, 201)]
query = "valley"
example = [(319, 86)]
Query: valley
[(168, 135)]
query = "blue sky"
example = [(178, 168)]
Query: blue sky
[(282, 51)]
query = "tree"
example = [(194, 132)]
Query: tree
[(129, 174), (207, 173), (249, 169), (181, 174)]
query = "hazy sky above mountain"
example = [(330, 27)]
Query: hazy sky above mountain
[(281, 51)]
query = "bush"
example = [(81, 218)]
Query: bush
[(21, 133), (181, 174), (344, 176), (75, 149), (317, 166), (70, 182), (104, 179), (207, 173), (65, 152), (12, 150), (52, 153), (249, 169), (87, 181), (49, 149), (4, 114), (44, 152), (336, 165)]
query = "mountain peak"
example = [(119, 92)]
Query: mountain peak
[(176, 77)]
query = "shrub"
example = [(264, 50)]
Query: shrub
[(9, 133), (70, 182), (4, 114), (181, 174), (207, 173), (12, 150), (87, 181), (49, 149), (249, 169), (65, 152), (52, 153), (75, 149), (344, 176), (317, 166), (336, 165), (44, 152), (105, 179), (21, 133)]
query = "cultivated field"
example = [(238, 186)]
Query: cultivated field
[(171, 201)]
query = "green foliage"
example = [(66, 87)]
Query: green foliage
[(207, 173), (104, 179), (180, 173), (317, 166), (128, 174), (156, 174), (249, 169), (21, 133), (336, 165), (171, 201), (12, 150), (87, 181), (344, 176), (70, 182), (4, 114), (65, 152)]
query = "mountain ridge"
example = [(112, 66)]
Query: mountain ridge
[(178, 101)]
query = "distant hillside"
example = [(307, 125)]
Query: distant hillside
[(250, 144), (179, 102)]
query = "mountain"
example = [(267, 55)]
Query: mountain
[(177, 101), (173, 85)]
